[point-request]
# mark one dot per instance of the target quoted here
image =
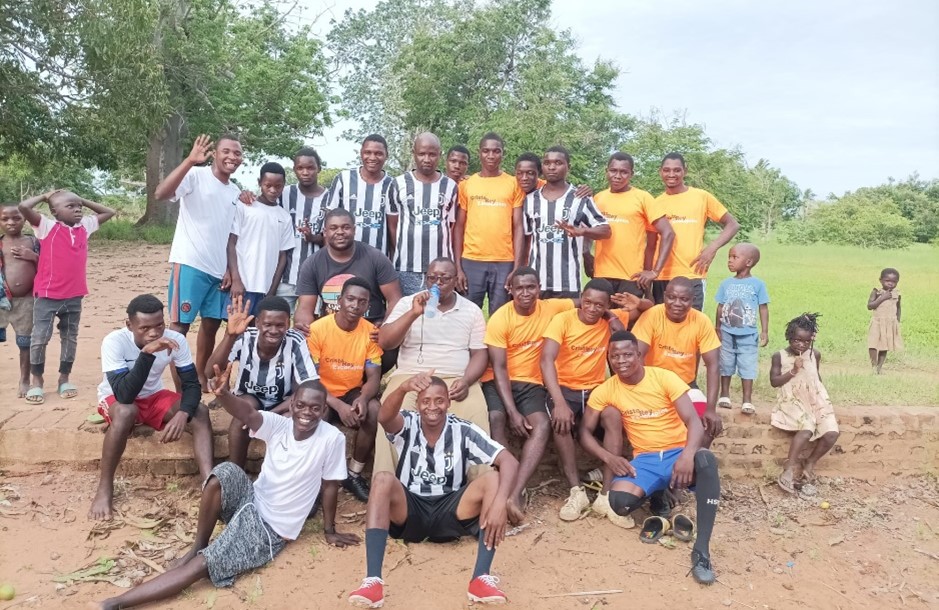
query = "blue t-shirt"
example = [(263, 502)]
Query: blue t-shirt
[(741, 300)]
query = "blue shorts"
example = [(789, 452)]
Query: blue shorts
[(739, 355), (253, 297), (653, 470), (193, 292)]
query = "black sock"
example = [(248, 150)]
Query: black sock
[(659, 504), (708, 492), (484, 556), (375, 541)]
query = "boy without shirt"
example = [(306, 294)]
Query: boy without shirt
[(19, 255)]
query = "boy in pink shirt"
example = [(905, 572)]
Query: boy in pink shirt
[(60, 280)]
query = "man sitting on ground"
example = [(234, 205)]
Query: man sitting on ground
[(430, 498), (349, 365), (303, 455), (132, 393), (666, 435), (272, 361)]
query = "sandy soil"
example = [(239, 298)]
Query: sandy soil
[(875, 547)]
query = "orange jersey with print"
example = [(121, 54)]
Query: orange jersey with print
[(488, 203), (687, 212), (341, 356), (581, 361), (650, 419), (675, 346), (522, 337), (630, 214)]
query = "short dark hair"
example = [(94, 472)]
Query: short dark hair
[(272, 167), (460, 149), (598, 283), (144, 303), (560, 149), (807, 322), (355, 282), (680, 282), (525, 270), (890, 271), (338, 212), (274, 304), (228, 135), (674, 156), (623, 335), (314, 385), (440, 383), (308, 151), (530, 157), (491, 135), (374, 137), (621, 156)]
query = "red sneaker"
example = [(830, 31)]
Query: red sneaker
[(370, 595), (483, 590)]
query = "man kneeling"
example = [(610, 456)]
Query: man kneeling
[(429, 497), (666, 433), (302, 452)]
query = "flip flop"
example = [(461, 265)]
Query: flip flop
[(747, 408), (95, 418), (786, 484), (724, 403), (35, 396), (683, 528), (654, 528), (67, 390)]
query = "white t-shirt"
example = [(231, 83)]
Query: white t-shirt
[(206, 210), (293, 470), (119, 353), (263, 231)]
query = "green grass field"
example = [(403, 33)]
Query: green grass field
[(836, 282)]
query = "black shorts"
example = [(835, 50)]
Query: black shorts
[(576, 400), (529, 397), (697, 298), (628, 286), (560, 294), (331, 415), (434, 518)]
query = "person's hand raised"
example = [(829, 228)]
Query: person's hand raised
[(419, 382), (238, 317), (202, 150)]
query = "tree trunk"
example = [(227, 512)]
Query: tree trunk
[(164, 153)]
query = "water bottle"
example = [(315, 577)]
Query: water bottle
[(430, 309)]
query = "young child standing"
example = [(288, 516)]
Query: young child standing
[(60, 281), (19, 255), (261, 235), (802, 406), (884, 333), (739, 300)]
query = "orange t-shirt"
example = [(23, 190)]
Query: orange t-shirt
[(630, 215), (688, 213), (581, 361), (488, 203), (522, 337), (650, 418), (342, 356), (676, 346)]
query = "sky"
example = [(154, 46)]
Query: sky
[(836, 94)]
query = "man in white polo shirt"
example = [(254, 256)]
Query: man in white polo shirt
[(207, 200), (450, 344)]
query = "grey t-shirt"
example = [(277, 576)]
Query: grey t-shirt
[(322, 276)]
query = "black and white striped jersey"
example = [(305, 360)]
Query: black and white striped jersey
[(425, 213), (441, 469), (305, 211), (271, 381), (368, 204), (555, 255)]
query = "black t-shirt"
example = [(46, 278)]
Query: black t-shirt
[(322, 276)]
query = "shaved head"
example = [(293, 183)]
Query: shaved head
[(680, 282), (749, 251), (427, 138)]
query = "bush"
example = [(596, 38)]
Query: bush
[(854, 220), (120, 229)]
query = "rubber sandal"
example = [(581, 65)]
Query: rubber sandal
[(95, 418), (786, 484), (35, 396), (724, 403), (596, 486), (654, 528), (747, 408), (683, 528), (67, 390)]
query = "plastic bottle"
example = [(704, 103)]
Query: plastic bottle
[(430, 309)]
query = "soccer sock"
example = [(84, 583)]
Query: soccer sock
[(708, 492), (356, 467), (375, 541), (658, 502), (484, 556)]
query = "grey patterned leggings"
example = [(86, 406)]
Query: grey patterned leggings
[(69, 312)]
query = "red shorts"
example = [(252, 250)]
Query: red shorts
[(151, 410), (699, 401)]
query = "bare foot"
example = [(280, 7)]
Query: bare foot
[(179, 561), (102, 507), (808, 473), (24, 387), (515, 514)]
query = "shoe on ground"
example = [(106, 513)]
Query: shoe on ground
[(577, 503), (483, 590), (356, 485), (593, 476), (601, 506), (370, 595), (724, 402), (747, 408), (701, 569)]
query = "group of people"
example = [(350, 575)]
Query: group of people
[(328, 290)]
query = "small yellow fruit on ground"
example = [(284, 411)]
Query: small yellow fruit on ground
[(7, 592), (825, 505)]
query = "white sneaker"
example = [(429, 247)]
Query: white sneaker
[(576, 504), (602, 506)]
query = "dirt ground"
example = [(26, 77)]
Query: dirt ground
[(877, 546)]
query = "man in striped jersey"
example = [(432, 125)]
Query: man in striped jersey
[(365, 192), (272, 361), (557, 221), (429, 497), (421, 210)]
